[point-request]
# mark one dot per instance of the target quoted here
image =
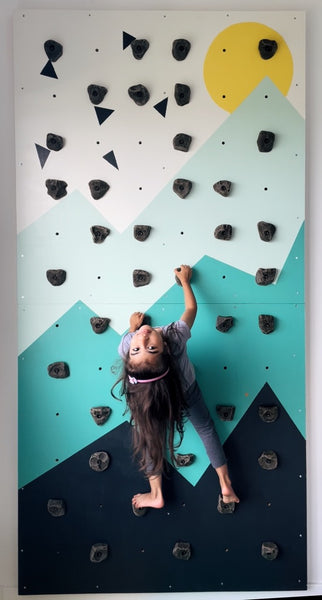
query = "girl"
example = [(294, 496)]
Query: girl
[(160, 388)]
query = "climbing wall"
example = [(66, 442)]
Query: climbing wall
[(145, 140)]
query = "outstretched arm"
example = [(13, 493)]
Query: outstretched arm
[(184, 274)]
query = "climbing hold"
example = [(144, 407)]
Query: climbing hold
[(223, 324), (54, 142), (100, 414), (141, 232), (266, 323), (180, 49), (99, 233), (99, 461), (54, 50), (99, 324), (225, 508), (139, 93), (223, 187), (98, 188), (177, 278), (266, 231), (139, 512), (182, 187), (268, 460), (184, 460), (182, 142), (182, 94), (265, 276), (182, 550), (56, 276), (139, 48), (225, 413), (223, 232), (98, 553), (141, 277), (267, 48), (269, 550), (58, 370), (265, 141), (96, 93), (56, 507), (56, 188), (268, 414)]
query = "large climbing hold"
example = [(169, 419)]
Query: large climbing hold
[(182, 93), (268, 460), (141, 277), (56, 188), (139, 94), (225, 508), (56, 507), (225, 413), (141, 232), (98, 188), (99, 233), (180, 49), (53, 49), (182, 187), (267, 48), (182, 142), (56, 276), (100, 414), (99, 461), (182, 550), (222, 187), (266, 323), (269, 550), (58, 370), (223, 232), (99, 324), (96, 93), (265, 141), (98, 553), (266, 231), (269, 413), (54, 142), (224, 323), (139, 48), (265, 276), (184, 460)]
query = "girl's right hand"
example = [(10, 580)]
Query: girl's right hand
[(183, 273), (136, 320)]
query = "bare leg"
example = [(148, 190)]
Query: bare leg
[(154, 498), (228, 494)]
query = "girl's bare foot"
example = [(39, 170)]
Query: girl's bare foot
[(228, 494), (148, 500)]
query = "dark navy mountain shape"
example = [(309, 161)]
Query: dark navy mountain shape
[(103, 113), (127, 39), (161, 107), (43, 154), (49, 70), (110, 158)]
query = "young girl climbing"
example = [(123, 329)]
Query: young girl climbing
[(161, 391)]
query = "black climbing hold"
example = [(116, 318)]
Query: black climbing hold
[(184, 460), (96, 93), (99, 324), (182, 187), (177, 278), (98, 188), (265, 276), (100, 414), (141, 232), (223, 187), (110, 158), (266, 323), (139, 93), (180, 49), (56, 276), (139, 48), (223, 232), (268, 414), (99, 461), (268, 460), (141, 277), (161, 107), (139, 512), (56, 507), (265, 141), (99, 233), (103, 113), (58, 370), (53, 49), (223, 324), (225, 413), (56, 188), (98, 553), (266, 231), (182, 94), (225, 508), (49, 70), (54, 142), (43, 154), (269, 550), (182, 550), (267, 48), (182, 142), (127, 39)]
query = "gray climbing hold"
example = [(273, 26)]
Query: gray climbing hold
[(56, 188), (99, 324), (98, 553), (266, 231), (99, 461), (99, 233), (222, 187), (53, 49), (141, 232), (184, 460), (180, 49), (100, 414), (182, 187), (223, 232), (225, 413), (224, 324), (268, 460), (225, 508), (56, 276), (265, 141), (269, 550), (96, 93), (54, 142), (139, 48), (266, 323), (139, 94), (177, 278), (182, 550), (56, 507), (267, 48), (265, 276), (182, 93), (98, 188), (182, 142), (139, 512), (268, 414), (141, 277), (58, 370)]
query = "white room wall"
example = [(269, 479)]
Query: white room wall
[(8, 333)]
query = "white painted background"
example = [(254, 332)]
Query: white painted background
[(8, 333)]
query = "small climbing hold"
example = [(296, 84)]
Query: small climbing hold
[(269, 550), (100, 414), (265, 276), (180, 49), (56, 276), (139, 48), (98, 188), (177, 278), (225, 508), (182, 187), (268, 414), (184, 460), (266, 323), (139, 512), (56, 507), (222, 187), (182, 550), (56, 188), (266, 231), (224, 324), (99, 233), (58, 370), (182, 142), (223, 232), (139, 93), (99, 324), (53, 49), (267, 48), (96, 93), (265, 141), (141, 232), (225, 413), (268, 460), (99, 461), (98, 553), (182, 94), (141, 277), (54, 142)]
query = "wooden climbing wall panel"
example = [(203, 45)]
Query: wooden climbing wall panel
[(96, 162)]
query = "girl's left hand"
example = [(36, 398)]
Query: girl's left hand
[(136, 320)]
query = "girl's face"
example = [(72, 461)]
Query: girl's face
[(146, 344)]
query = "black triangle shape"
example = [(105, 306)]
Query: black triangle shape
[(103, 113), (110, 157), (43, 154), (161, 107), (127, 39), (49, 70)]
